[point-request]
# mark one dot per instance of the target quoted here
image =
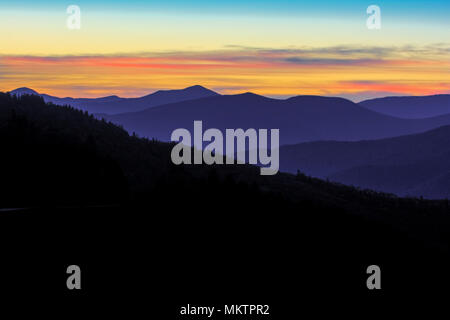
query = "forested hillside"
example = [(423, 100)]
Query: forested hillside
[(57, 160)]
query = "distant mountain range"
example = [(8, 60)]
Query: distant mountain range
[(412, 165), (300, 119), (324, 137), (410, 107), (115, 104)]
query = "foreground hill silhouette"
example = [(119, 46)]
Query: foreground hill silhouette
[(412, 165), (115, 202), (300, 119), (85, 160)]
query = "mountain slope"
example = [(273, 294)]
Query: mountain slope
[(410, 107), (28, 121), (55, 156), (96, 194), (300, 119), (399, 165), (115, 104)]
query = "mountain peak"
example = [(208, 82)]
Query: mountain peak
[(196, 86), (200, 89), (193, 92), (248, 95), (22, 91)]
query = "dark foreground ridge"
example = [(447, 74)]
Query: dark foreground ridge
[(138, 225)]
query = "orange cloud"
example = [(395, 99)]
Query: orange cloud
[(323, 71)]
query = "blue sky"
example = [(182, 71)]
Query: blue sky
[(431, 9)]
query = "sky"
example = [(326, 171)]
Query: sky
[(275, 48)]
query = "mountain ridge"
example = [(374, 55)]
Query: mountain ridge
[(300, 118), (399, 165), (114, 104), (410, 107)]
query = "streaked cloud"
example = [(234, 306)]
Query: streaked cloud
[(343, 70)]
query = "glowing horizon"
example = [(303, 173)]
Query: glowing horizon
[(286, 49)]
